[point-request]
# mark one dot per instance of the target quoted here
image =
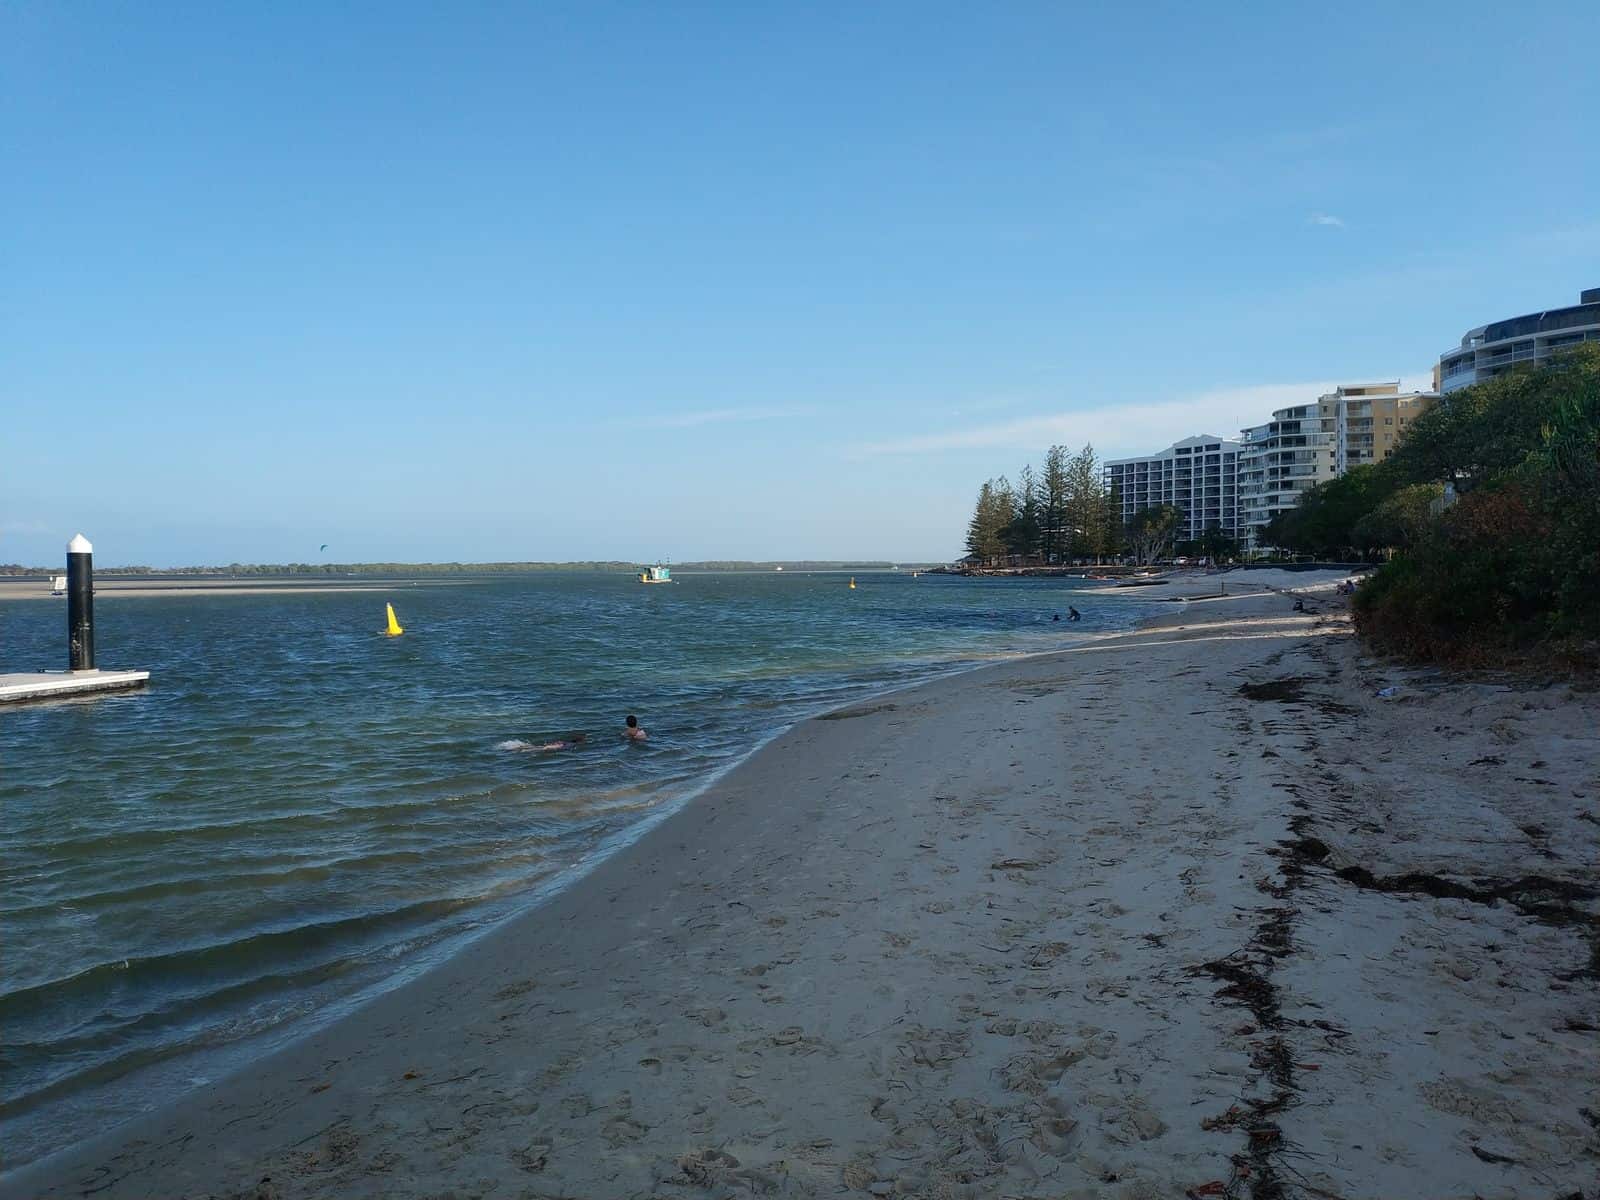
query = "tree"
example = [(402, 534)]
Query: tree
[(1513, 569), (1053, 539), (1323, 523), (1399, 520), (1152, 531), (1023, 535), (1085, 505), (986, 530), (1212, 544), (1112, 535)]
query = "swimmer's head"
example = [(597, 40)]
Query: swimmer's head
[(633, 721)]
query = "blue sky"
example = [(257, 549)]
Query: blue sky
[(550, 282)]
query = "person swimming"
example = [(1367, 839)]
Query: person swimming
[(568, 743), (634, 731), (571, 743), (1073, 614)]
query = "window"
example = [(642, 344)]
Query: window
[(1388, 420)]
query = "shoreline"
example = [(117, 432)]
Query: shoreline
[(237, 1057), (223, 1062), (705, 897)]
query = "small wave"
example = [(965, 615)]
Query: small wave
[(513, 744), (212, 960)]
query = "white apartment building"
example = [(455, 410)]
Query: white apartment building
[(1279, 460), (1490, 349), (1198, 476)]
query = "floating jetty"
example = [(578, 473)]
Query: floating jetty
[(54, 685), (82, 678)]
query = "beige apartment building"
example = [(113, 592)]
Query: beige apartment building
[(1308, 444), (1369, 419)]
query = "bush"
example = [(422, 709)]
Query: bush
[(1512, 569)]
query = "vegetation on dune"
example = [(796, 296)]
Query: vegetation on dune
[(1512, 566)]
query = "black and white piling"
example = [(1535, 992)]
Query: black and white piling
[(80, 604), (82, 677)]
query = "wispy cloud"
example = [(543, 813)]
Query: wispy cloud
[(1327, 220), (1115, 430), (723, 416)]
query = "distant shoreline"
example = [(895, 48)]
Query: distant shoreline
[(29, 588), (186, 581), (14, 571)]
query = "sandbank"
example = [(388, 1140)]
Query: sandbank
[(113, 587)]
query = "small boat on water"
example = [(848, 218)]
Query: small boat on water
[(655, 574), (58, 585)]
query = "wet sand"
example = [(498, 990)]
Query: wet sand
[(1191, 906)]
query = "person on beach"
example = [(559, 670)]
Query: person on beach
[(634, 731)]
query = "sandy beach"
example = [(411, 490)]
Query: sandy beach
[(1189, 910)]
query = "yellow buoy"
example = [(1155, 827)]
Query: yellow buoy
[(394, 629), (852, 583)]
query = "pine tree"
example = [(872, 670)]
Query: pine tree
[(1085, 504), (1024, 534), (1053, 541), (977, 528), (991, 521)]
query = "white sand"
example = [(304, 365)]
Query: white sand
[(1033, 932)]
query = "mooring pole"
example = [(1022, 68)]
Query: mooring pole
[(80, 604)]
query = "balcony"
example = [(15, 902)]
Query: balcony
[(1524, 352)]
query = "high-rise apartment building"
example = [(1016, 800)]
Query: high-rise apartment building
[(1308, 444), (1368, 422), (1490, 349), (1198, 476)]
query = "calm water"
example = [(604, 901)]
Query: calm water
[(298, 810)]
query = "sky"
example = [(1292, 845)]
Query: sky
[(544, 281)]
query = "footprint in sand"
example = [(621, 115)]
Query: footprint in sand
[(533, 1157), (619, 1131), (705, 1168)]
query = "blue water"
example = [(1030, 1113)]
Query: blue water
[(298, 810)]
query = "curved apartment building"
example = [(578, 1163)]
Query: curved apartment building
[(1490, 349)]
